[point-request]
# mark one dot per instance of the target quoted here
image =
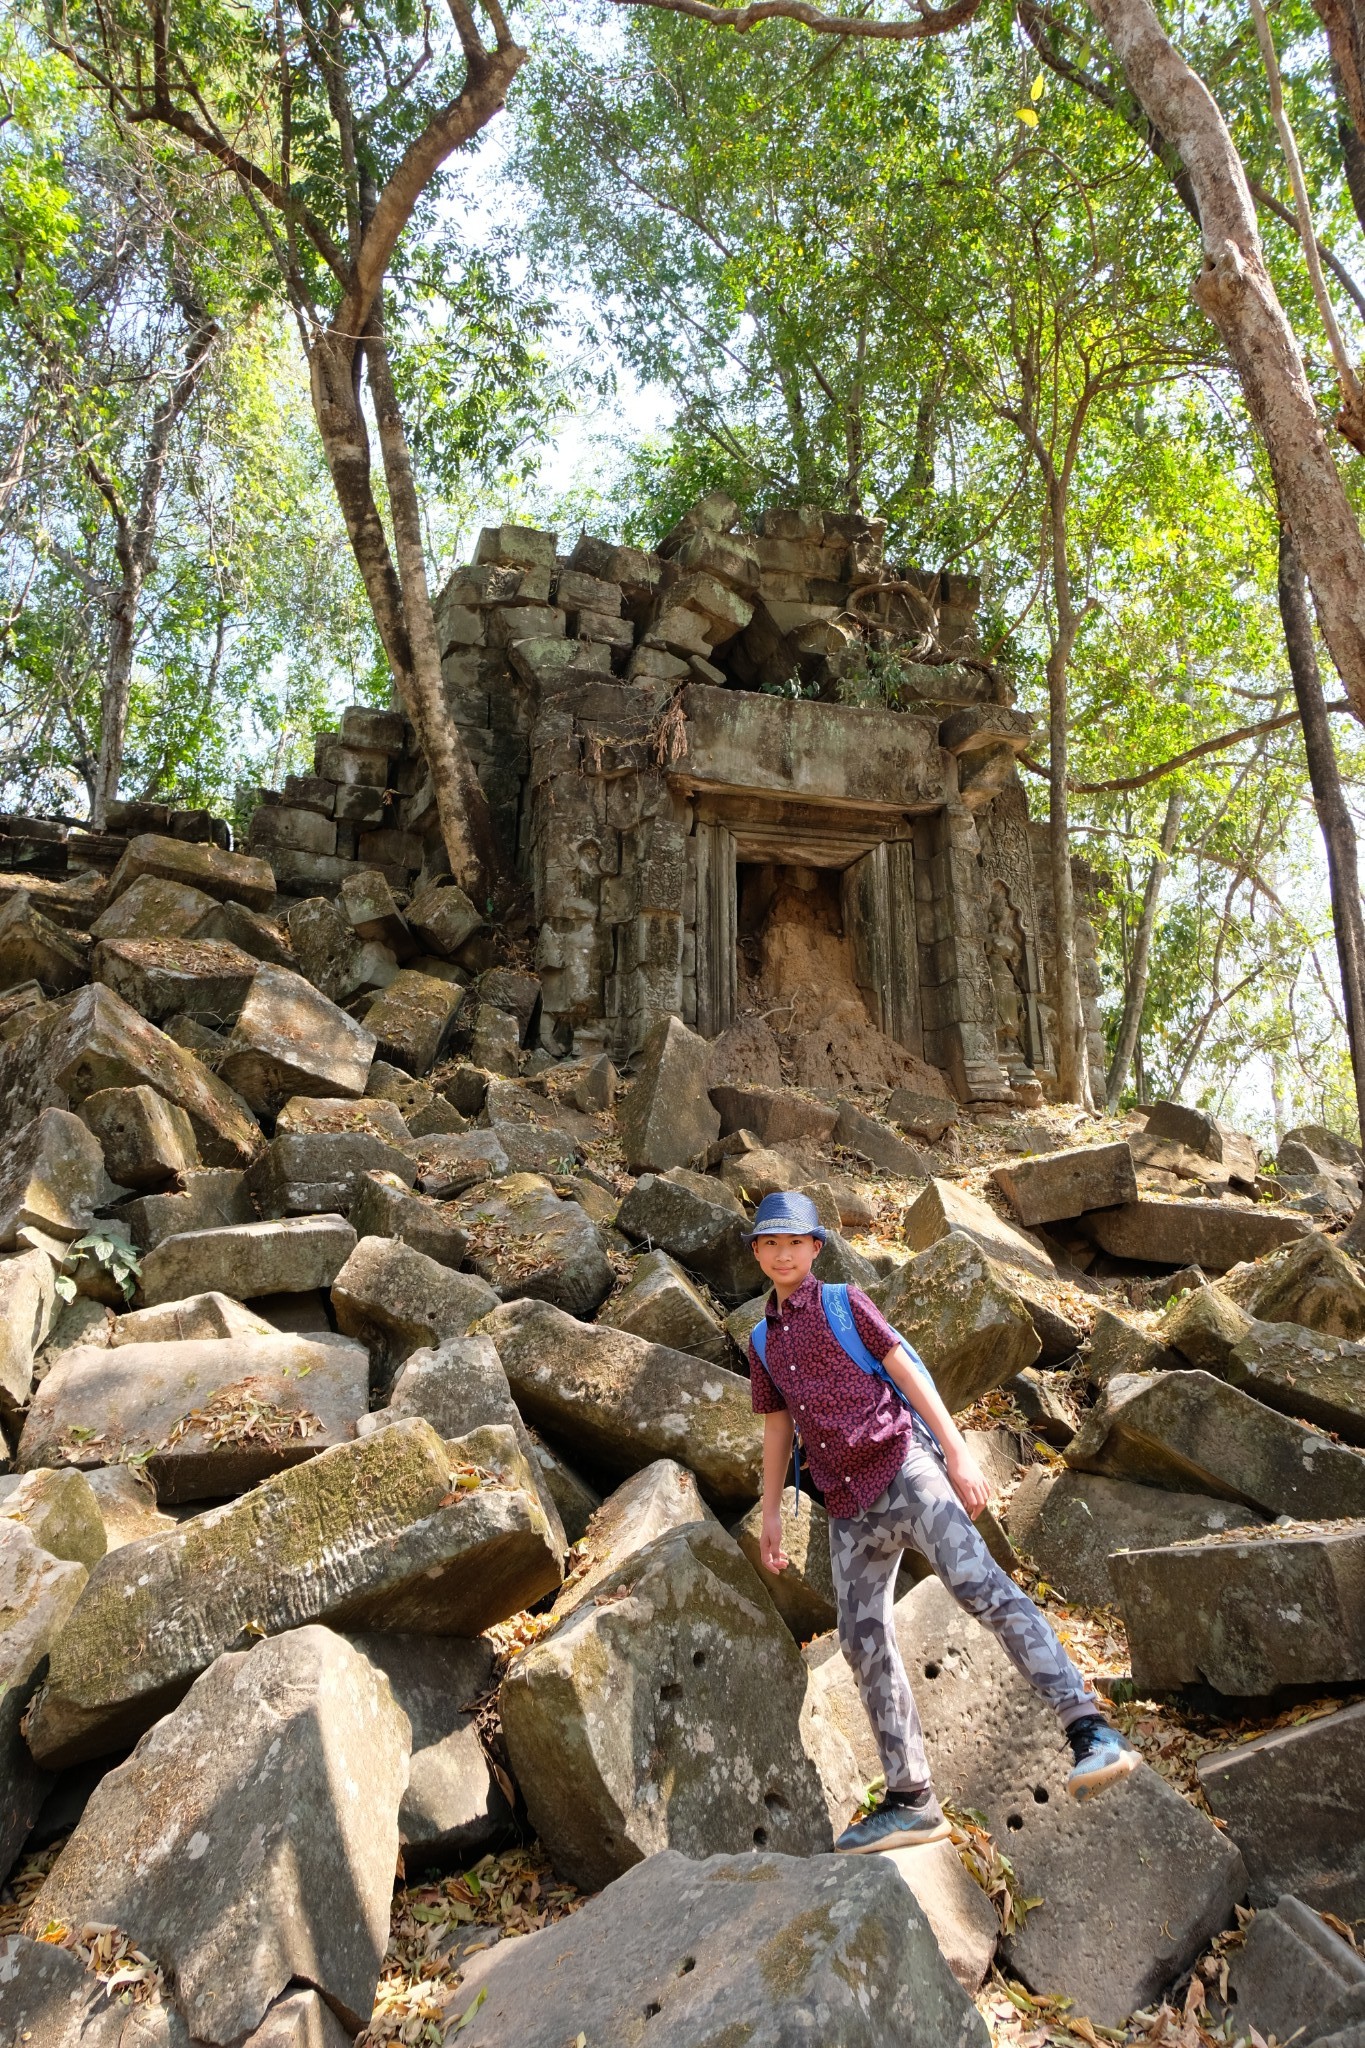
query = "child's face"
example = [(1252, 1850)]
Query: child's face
[(787, 1260)]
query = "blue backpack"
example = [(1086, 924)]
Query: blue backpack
[(839, 1316)]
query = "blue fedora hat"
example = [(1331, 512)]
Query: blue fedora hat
[(787, 1215)]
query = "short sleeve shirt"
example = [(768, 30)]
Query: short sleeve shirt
[(855, 1432)]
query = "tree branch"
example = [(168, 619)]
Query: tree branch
[(932, 21), (1149, 775)]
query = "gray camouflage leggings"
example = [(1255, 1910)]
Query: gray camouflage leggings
[(920, 1511)]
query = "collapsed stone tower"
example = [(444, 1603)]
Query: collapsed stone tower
[(679, 762)]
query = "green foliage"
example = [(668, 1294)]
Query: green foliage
[(111, 1252)]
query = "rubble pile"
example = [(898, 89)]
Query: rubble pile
[(380, 1471)]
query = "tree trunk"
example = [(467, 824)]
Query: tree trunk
[(1334, 817), (1235, 290), (335, 379), (1072, 1065), (1135, 995), (461, 805)]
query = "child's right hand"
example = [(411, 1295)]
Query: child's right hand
[(770, 1544)]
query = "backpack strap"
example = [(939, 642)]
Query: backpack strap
[(839, 1315)]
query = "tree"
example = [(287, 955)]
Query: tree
[(334, 126)]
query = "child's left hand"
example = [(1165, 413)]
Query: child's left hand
[(968, 1482)]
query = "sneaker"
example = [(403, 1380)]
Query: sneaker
[(1101, 1755), (895, 1824)]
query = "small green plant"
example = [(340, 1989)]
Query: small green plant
[(106, 1248)]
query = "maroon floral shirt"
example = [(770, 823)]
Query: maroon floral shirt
[(855, 1433)]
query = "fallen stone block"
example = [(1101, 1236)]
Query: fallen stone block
[(448, 1164), (1295, 1976), (37, 1594), (1247, 1612), (292, 1255), (1063, 1184), (1214, 1235), (32, 948), (1302, 1373), (342, 1116), (232, 924), (488, 1037), (209, 1199), (413, 1020), (1190, 1432), (596, 1091), (152, 908), (52, 1178), (327, 952), (962, 1918), (96, 1041), (227, 877), (425, 1112), (28, 1301), (803, 1594), (1206, 1135), (1045, 1402), (1204, 1325), (317, 1173), (529, 1245), (668, 1117), (886, 1151), (1133, 1885), (838, 1264), (776, 1116), (443, 917), (927, 1117), (1294, 1803), (397, 1301), (1071, 1523), (1312, 1282), (506, 988), (208, 1418), (969, 1325), (660, 1304), (363, 1536), (661, 1498), (700, 1222), (840, 1939), (944, 1207), (454, 1810), (59, 1510), (161, 978), (1117, 1346), (626, 1724), (575, 1501), (273, 1857), (384, 1205), (126, 1500), (538, 1134), (289, 1040), (146, 1141), (369, 904), (761, 1170)]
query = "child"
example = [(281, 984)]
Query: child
[(888, 1486)]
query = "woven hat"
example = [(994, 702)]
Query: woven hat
[(786, 1215)]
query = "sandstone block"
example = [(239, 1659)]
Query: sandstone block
[(668, 1118), (443, 917), (383, 1205), (37, 1594), (198, 1316), (575, 1501), (398, 1301), (1133, 1885), (1295, 1975), (28, 1300), (1247, 1614), (453, 1810), (927, 1117), (227, 877), (413, 1019), (127, 1503), (776, 1116), (887, 1152), (32, 948), (289, 1040), (60, 1512), (293, 1255), (944, 1207), (963, 1921), (680, 1938), (96, 1041), (529, 1245), (146, 1140), (700, 1222), (162, 978), (1312, 1282), (1117, 1346), (1204, 1325), (251, 1837), (1062, 1184), (360, 1536), (625, 1723), (957, 1308), (206, 1200), (317, 1173), (1294, 1803), (151, 908), (1302, 1373), (449, 1164), (232, 924), (660, 1304), (1207, 1136), (1187, 1429), (209, 1418), (52, 1178), (658, 1499), (623, 1402), (1214, 1235), (1071, 1523)]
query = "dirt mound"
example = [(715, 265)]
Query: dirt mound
[(745, 1056), (846, 1051)]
